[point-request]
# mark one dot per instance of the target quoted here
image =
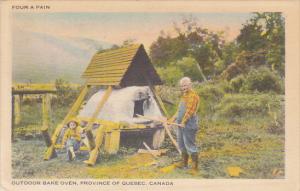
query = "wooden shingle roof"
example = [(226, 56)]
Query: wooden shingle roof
[(126, 66)]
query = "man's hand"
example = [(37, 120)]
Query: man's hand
[(181, 125), (171, 120)]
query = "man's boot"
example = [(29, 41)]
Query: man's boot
[(194, 169), (184, 160)]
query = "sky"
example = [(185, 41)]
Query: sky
[(114, 28)]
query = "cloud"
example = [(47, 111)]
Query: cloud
[(117, 27)]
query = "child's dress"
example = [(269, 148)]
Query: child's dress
[(72, 138)]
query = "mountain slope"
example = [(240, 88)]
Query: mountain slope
[(43, 58)]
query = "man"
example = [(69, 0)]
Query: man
[(186, 115)]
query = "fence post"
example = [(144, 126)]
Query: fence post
[(46, 105), (17, 109)]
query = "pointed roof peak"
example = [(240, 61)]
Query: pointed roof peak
[(113, 66)]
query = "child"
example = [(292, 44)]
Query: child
[(72, 138)]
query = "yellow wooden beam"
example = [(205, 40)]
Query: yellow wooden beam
[(17, 109), (29, 129), (159, 101), (59, 146), (71, 113), (111, 125), (34, 87), (112, 141), (98, 142), (95, 115)]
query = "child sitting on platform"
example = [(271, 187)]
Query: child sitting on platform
[(72, 138)]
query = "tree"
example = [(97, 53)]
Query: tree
[(166, 49), (229, 53), (244, 62), (265, 32), (250, 38), (192, 41)]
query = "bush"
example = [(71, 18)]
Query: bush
[(65, 93), (210, 94), (249, 105), (237, 83), (188, 66), (225, 86), (258, 80), (262, 80), (170, 75)]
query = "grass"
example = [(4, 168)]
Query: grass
[(252, 149), (253, 142)]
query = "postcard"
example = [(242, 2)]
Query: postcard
[(149, 95)]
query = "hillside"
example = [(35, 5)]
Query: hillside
[(36, 55)]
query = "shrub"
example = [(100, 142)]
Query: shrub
[(249, 105), (65, 93), (237, 83), (170, 75), (210, 91), (262, 80), (258, 80), (188, 66), (210, 94), (225, 86)]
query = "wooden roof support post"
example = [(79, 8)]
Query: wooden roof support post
[(94, 117), (156, 97), (164, 111), (98, 142), (159, 101), (75, 107)]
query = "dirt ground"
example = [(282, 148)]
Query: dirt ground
[(254, 152), (28, 163)]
